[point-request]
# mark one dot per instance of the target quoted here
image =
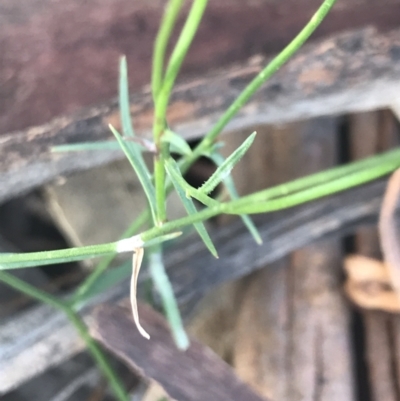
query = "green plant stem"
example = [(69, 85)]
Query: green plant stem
[(159, 180), (269, 200), (260, 79), (31, 259), (256, 204), (162, 94), (80, 326), (164, 33), (182, 46), (279, 197), (164, 288), (87, 284)]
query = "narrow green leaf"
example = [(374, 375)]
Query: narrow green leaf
[(173, 170), (130, 148), (162, 238), (190, 207), (261, 203), (31, 259), (176, 142), (124, 106), (85, 146), (135, 158), (230, 186), (169, 17), (226, 167)]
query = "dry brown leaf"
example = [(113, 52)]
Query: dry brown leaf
[(137, 259), (156, 393), (369, 284)]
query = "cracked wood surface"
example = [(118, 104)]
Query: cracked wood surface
[(352, 71), (194, 375)]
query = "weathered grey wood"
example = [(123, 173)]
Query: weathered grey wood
[(194, 375), (372, 133), (39, 338), (193, 272), (349, 72), (63, 382)]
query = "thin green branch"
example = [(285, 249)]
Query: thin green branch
[(279, 197), (256, 204), (76, 320), (260, 79), (32, 259), (160, 188), (161, 96), (160, 46), (179, 53)]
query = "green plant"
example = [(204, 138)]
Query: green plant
[(168, 175)]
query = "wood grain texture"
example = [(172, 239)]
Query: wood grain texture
[(58, 58), (348, 72), (292, 339), (193, 273), (194, 375), (371, 133)]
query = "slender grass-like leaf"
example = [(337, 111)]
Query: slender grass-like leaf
[(131, 149), (176, 142), (270, 69), (160, 46), (137, 260), (255, 203), (230, 187), (226, 167), (86, 146), (136, 160), (180, 50), (173, 171), (189, 205), (31, 259), (124, 105)]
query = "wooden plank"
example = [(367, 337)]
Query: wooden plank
[(349, 72), (194, 375), (292, 339), (372, 133), (48, 50)]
